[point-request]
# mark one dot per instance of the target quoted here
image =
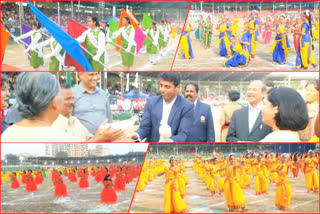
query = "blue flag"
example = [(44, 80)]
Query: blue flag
[(69, 44)]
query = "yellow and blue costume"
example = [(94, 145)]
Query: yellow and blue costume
[(305, 53), (185, 44), (280, 47), (224, 43)]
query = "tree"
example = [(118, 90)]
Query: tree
[(61, 155), (12, 158)]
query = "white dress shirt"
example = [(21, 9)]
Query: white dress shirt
[(253, 114), (166, 109)]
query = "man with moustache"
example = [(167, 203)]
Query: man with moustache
[(168, 109), (70, 124), (246, 123), (203, 127), (91, 104)]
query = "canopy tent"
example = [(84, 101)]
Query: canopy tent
[(135, 94)]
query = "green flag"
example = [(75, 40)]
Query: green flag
[(146, 21), (113, 27), (69, 79)]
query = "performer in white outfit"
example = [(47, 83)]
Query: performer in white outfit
[(57, 54), (152, 43), (36, 56), (128, 45), (95, 40)]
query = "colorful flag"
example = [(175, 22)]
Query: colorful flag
[(113, 26), (133, 23), (5, 35), (25, 29), (75, 30), (139, 36), (146, 21), (69, 44)]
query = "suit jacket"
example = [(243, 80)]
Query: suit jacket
[(239, 127), (180, 119), (202, 128)]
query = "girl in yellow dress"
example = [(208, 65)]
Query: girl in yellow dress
[(173, 203), (244, 174), (273, 165), (224, 43), (283, 188), (232, 189), (218, 183), (260, 173), (235, 25), (4, 176), (310, 172)]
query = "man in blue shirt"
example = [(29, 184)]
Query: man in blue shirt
[(168, 109), (91, 104)]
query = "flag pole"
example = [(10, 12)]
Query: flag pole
[(18, 42), (104, 65)]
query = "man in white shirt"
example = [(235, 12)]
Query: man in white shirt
[(169, 109), (70, 124), (246, 123)]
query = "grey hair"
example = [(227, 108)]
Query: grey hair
[(4, 79), (264, 88), (35, 92)]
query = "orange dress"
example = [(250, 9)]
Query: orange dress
[(310, 173), (261, 179), (232, 190), (283, 189), (173, 203)]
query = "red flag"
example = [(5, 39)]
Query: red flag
[(75, 30), (133, 23), (168, 22), (5, 35)]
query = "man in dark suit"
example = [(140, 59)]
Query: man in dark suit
[(246, 123), (203, 127), (169, 108)]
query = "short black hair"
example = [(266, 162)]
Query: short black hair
[(4, 79), (194, 84), (234, 95), (269, 83), (292, 110), (315, 83), (37, 24), (174, 77), (65, 85)]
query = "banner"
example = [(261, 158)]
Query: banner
[(75, 30), (69, 44), (5, 35)]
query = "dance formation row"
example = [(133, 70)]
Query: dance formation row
[(239, 50), (231, 175), (96, 38), (122, 175)]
